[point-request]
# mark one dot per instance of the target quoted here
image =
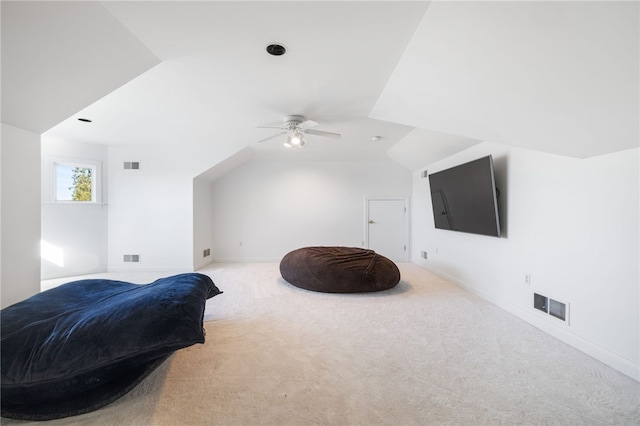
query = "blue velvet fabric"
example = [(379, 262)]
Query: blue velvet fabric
[(80, 346)]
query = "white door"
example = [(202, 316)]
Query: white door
[(387, 228)]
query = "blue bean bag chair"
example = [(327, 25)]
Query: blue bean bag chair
[(82, 345)]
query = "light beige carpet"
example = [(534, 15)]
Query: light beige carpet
[(424, 353)]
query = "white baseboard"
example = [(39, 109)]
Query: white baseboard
[(175, 269), (561, 333), (245, 260), (203, 264)]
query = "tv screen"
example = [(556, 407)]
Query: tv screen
[(464, 198)]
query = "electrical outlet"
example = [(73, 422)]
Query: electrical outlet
[(206, 252), (424, 254), (527, 279)]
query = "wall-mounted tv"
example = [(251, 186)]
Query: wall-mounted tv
[(465, 198)]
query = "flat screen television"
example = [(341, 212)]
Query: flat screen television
[(465, 198)]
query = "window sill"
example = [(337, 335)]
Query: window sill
[(72, 203)]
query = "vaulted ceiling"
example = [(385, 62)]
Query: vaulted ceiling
[(429, 78)]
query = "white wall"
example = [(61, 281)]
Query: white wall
[(263, 210), (202, 223), (20, 216), (151, 209), (79, 230), (572, 225)]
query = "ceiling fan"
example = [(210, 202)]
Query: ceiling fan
[(295, 126)]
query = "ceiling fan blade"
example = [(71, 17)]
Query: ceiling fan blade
[(272, 137), (323, 133), (307, 124)]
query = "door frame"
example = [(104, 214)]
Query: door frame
[(407, 222)]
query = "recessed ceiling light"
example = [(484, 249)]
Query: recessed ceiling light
[(276, 49), (86, 120)]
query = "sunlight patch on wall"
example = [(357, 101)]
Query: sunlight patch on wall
[(53, 254)]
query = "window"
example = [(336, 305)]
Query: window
[(75, 181)]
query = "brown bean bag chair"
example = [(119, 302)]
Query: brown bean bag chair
[(339, 270)]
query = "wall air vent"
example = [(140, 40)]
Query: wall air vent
[(540, 302), (554, 308), (131, 258), (558, 309), (131, 165)]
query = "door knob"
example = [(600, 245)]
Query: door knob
[(371, 221)]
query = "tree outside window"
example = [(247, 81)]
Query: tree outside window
[(75, 182), (82, 184)]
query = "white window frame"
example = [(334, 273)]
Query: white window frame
[(96, 183)]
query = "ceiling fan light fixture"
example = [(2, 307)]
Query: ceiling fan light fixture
[(295, 139), (295, 127)]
